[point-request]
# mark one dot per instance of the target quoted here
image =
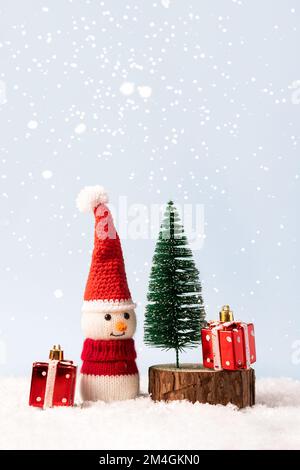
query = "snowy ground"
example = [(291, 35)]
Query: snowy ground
[(274, 423)]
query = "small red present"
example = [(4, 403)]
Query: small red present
[(53, 382), (228, 344)]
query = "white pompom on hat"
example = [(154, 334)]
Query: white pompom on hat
[(90, 197)]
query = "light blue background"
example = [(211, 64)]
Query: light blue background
[(221, 129)]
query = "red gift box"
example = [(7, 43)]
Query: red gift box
[(228, 345), (53, 383)]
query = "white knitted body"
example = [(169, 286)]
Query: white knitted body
[(109, 388)]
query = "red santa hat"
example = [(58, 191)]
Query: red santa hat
[(106, 288)]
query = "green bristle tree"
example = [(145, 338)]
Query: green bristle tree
[(175, 310)]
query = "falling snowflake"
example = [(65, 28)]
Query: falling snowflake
[(145, 91), (165, 3), (58, 293), (2, 92), (127, 88), (47, 174), (32, 124), (80, 128)]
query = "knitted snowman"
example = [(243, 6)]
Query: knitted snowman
[(109, 371)]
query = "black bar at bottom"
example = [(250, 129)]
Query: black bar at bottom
[(136, 458)]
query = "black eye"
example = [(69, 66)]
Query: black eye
[(126, 316), (107, 317)]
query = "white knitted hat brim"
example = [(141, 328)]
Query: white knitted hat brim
[(112, 306)]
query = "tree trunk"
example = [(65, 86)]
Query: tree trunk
[(194, 383)]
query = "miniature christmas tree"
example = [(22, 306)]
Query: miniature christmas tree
[(175, 311)]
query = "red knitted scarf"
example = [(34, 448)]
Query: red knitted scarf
[(109, 357)]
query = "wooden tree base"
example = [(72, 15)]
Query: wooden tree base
[(194, 383)]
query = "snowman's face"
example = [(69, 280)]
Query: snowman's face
[(120, 325)]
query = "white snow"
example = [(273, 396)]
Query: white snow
[(273, 423), (127, 88), (32, 125), (80, 128), (145, 91), (47, 174)]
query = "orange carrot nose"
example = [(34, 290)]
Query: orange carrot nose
[(121, 326)]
